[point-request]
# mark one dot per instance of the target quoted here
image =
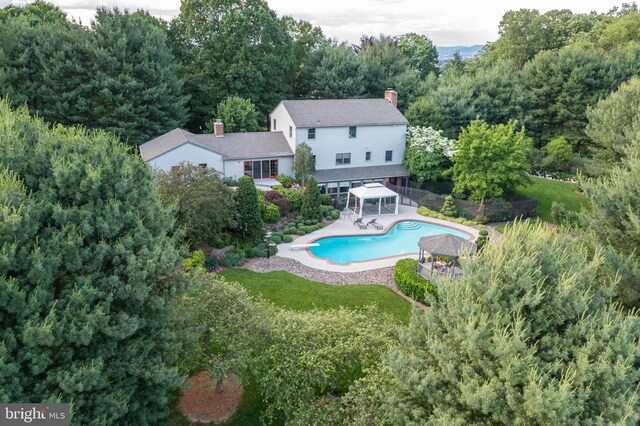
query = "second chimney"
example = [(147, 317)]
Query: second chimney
[(218, 128), (392, 96)]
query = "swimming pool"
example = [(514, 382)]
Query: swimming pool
[(401, 238)]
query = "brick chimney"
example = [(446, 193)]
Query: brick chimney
[(392, 96), (218, 128)]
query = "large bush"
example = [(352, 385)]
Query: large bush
[(274, 197), (87, 301), (311, 201), (411, 283), (206, 209), (249, 207)]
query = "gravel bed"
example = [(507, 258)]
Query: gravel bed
[(382, 276)]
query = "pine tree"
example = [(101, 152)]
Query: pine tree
[(86, 305), (311, 204), (522, 339), (248, 207)]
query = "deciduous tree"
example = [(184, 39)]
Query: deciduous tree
[(303, 163), (237, 114), (205, 207), (490, 159), (426, 154)]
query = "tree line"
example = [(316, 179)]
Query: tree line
[(138, 76)]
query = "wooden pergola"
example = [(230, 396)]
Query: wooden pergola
[(444, 245)]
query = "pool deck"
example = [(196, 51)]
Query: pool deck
[(344, 226)]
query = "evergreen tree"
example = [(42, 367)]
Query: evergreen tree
[(336, 72), (614, 124), (87, 302), (613, 222), (248, 207), (137, 81), (311, 205), (522, 339)]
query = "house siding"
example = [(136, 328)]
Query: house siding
[(330, 141), (283, 122), (187, 153)]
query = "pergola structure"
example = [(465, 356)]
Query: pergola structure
[(370, 191), (443, 245)]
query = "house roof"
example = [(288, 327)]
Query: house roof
[(372, 190), (446, 245), (231, 146), (360, 173), (343, 112)]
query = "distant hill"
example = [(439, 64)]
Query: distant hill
[(445, 53)]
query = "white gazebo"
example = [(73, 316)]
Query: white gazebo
[(371, 191)]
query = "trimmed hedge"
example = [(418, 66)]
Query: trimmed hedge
[(408, 281), (287, 238), (424, 211)]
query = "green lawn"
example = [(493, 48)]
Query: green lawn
[(293, 292), (547, 191)]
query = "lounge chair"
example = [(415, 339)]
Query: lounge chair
[(376, 225), (360, 223)]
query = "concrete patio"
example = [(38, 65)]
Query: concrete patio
[(344, 226)]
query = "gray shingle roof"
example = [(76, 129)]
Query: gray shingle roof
[(446, 245), (343, 112), (360, 173), (231, 146)]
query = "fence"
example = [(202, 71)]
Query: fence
[(421, 197)]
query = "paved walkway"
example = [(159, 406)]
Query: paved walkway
[(345, 226)]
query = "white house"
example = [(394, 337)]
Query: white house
[(259, 154), (353, 140)]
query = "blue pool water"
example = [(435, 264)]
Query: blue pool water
[(401, 238)]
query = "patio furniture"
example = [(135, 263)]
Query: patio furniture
[(443, 245), (376, 225), (360, 223)]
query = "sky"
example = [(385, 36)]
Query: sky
[(445, 22)]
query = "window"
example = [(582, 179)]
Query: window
[(343, 187), (343, 158), (388, 156), (261, 169), (367, 156), (311, 133), (290, 131), (352, 131), (203, 165), (274, 124), (332, 188)]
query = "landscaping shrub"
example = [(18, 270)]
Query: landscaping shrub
[(210, 263), (233, 258), (278, 234), (285, 180), (271, 214), (276, 239), (311, 201), (335, 214), (287, 239), (229, 181), (481, 219), (276, 198), (194, 261), (449, 208), (294, 196), (300, 232), (483, 237), (326, 200), (408, 281), (560, 215), (292, 231)]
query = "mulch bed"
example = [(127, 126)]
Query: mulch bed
[(200, 403)]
